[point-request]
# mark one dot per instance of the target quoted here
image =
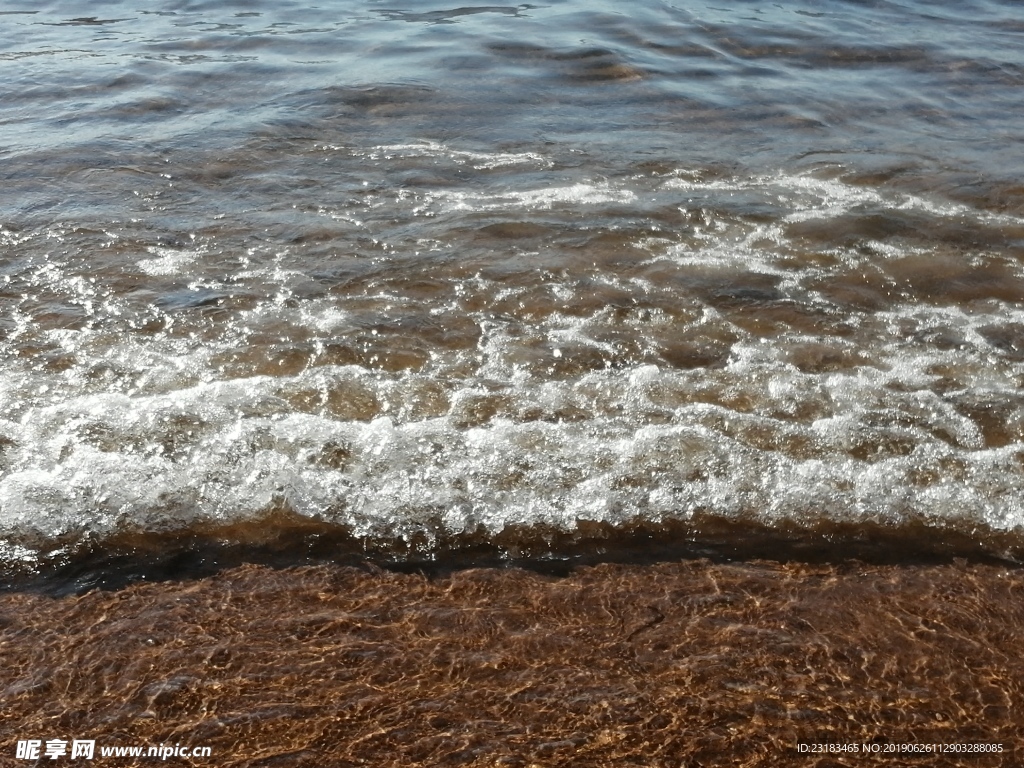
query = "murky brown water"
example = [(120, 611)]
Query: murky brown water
[(416, 281)]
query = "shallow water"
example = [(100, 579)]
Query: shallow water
[(687, 663), (419, 280)]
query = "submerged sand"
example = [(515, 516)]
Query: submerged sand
[(681, 664)]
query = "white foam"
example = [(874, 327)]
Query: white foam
[(95, 463), (437, 150), (144, 430), (810, 197), (168, 261), (573, 195)]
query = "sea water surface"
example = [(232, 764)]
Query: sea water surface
[(418, 280)]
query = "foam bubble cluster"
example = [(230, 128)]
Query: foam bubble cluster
[(476, 358)]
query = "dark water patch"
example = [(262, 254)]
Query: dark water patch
[(155, 108), (282, 540), (1008, 339), (450, 16), (937, 279), (189, 299), (88, 21), (999, 416)]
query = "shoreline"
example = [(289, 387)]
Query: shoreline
[(683, 663), (284, 539)]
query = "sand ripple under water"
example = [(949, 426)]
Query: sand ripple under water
[(691, 664)]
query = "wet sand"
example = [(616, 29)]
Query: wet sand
[(681, 664)]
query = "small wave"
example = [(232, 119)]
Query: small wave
[(477, 160)]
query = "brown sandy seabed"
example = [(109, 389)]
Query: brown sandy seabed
[(682, 664)]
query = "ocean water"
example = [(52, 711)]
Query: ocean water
[(419, 282)]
